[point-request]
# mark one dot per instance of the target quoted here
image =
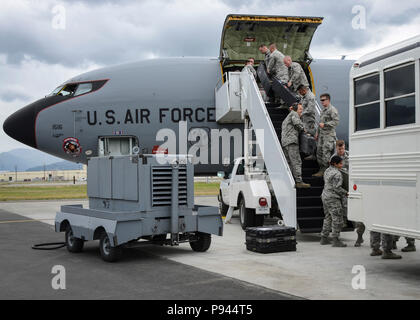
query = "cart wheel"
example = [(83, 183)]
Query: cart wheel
[(73, 244), (159, 238), (108, 253), (222, 207), (202, 243), (247, 216)]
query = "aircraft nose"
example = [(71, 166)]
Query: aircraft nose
[(21, 125)]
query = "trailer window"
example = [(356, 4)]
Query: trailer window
[(400, 95), (366, 102)]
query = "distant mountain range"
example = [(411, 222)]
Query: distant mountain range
[(62, 165), (33, 160)]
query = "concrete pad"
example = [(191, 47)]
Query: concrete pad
[(314, 271)]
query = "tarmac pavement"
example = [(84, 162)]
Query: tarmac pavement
[(313, 272)]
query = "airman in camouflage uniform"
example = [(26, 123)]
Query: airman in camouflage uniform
[(291, 128), (297, 76), (331, 200), (341, 151), (264, 50), (375, 242), (250, 66), (309, 113), (326, 135), (276, 67)]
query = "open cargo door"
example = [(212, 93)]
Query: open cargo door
[(243, 34)]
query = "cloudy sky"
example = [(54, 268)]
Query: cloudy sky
[(37, 54)]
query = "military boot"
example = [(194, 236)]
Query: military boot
[(376, 252), (359, 241), (388, 254), (409, 248), (320, 173), (338, 243), (324, 241), (303, 185)]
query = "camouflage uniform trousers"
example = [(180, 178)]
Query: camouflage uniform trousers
[(410, 241), (325, 150), (333, 221), (376, 238), (292, 154), (360, 228)]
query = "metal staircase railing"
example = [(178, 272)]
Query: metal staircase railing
[(253, 106)]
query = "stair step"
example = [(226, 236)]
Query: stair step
[(310, 212), (271, 105), (311, 201), (308, 172), (310, 164), (277, 117), (310, 226), (277, 124), (310, 219), (310, 229), (313, 181), (312, 191)]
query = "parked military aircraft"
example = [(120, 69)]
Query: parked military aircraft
[(120, 107)]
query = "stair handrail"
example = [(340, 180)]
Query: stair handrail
[(318, 111), (278, 169)]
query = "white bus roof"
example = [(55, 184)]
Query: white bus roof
[(389, 51)]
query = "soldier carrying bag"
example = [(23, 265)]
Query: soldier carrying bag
[(307, 144)]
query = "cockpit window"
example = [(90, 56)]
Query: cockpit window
[(68, 90), (78, 89), (56, 90), (83, 88)]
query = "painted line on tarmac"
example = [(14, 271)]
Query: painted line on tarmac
[(23, 221)]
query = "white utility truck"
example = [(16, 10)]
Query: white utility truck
[(247, 190)]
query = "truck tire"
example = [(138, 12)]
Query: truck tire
[(247, 216), (202, 242), (73, 244), (222, 207), (108, 253)]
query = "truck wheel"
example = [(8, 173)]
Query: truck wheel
[(202, 243), (222, 207), (246, 215), (73, 244), (108, 253)]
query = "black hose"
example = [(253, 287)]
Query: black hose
[(48, 246)]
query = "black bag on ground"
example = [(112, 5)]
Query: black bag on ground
[(307, 144), (269, 239)]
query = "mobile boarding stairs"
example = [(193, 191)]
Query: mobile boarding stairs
[(240, 100)]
